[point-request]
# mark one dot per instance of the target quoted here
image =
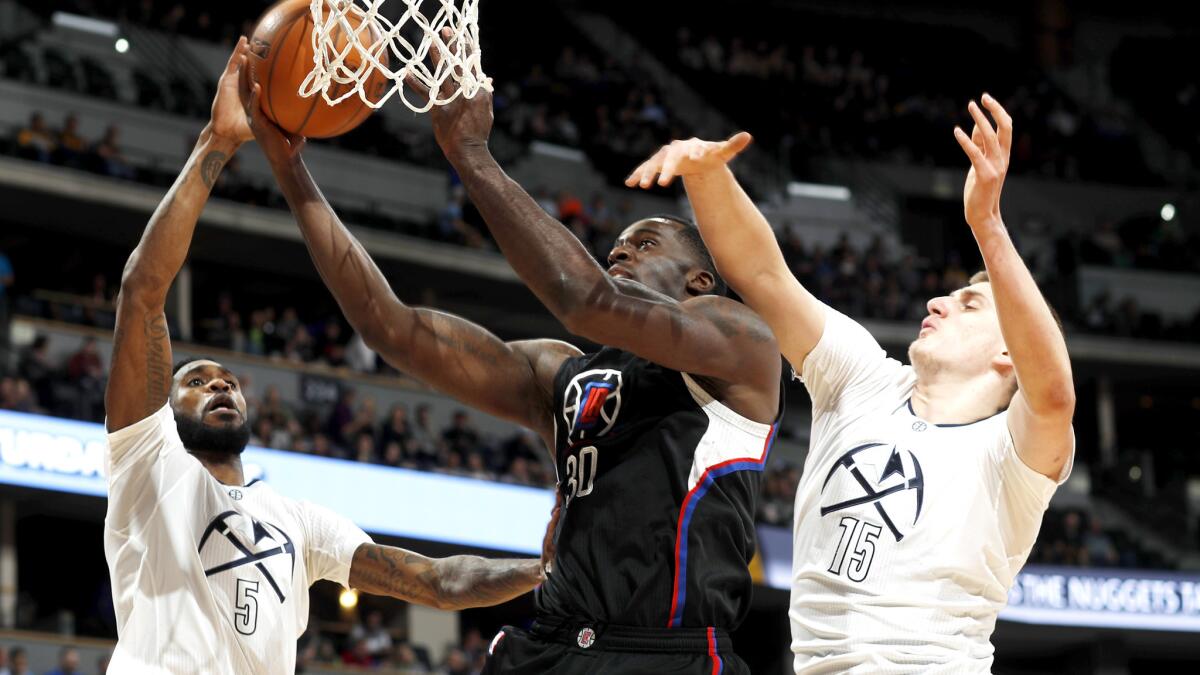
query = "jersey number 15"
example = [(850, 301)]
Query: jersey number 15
[(855, 549)]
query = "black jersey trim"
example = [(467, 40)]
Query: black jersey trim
[(947, 426)]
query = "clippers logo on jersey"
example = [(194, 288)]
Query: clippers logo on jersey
[(879, 475), (591, 404), (245, 541)]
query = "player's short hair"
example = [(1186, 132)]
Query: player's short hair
[(981, 277), (191, 359), (690, 235)]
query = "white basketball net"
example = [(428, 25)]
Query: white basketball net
[(337, 80)]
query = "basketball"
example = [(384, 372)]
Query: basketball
[(283, 43)]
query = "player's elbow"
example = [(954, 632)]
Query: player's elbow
[(1057, 399)]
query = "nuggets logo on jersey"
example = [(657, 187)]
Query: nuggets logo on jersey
[(887, 479), (591, 404), (243, 541)]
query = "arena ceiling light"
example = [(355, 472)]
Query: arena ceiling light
[(84, 24), (1168, 212), (836, 193)]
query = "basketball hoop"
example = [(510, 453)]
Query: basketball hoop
[(350, 36)]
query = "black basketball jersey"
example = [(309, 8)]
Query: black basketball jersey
[(660, 484)]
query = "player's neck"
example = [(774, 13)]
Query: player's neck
[(226, 468), (952, 400)]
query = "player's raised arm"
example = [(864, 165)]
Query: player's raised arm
[(510, 380), (1041, 411), (456, 582), (706, 335), (140, 378), (740, 239)]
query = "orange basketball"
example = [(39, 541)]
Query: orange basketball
[(282, 41)]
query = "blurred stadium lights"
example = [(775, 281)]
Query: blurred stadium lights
[(1168, 212), (348, 598), (122, 45), (817, 191), (84, 24)]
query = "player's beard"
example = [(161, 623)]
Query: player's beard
[(196, 435)]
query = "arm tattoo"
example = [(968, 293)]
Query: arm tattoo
[(449, 583), (158, 367), (210, 167)]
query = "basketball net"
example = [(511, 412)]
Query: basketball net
[(346, 52)]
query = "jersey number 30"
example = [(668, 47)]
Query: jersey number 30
[(856, 548), (581, 473)]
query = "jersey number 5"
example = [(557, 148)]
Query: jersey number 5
[(856, 548), (245, 617), (581, 473)]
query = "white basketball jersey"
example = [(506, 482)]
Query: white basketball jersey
[(209, 578), (908, 534)]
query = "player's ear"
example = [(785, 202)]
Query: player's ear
[(701, 282), (1003, 364)]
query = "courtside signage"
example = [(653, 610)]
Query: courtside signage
[(1135, 599), (1056, 596), (49, 453)]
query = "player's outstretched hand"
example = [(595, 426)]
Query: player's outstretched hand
[(687, 158), (277, 144), (464, 124), (548, 548), (988, 148), (228, 121)]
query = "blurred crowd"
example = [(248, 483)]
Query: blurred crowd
[(859, 89), (63, 145), (352, 428), (380, 642), (1078, 538), (15, 661)]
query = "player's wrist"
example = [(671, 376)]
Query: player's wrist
[(211, 140), (469, 154)]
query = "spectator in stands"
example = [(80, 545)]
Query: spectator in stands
[(456, 663), (404, 659), (364, 448), (6, 282), (16, 394), (35, 366), (18, 663), (461, 437), (85, 370), (102, 663), (108, 152), (424, 442), (343, 413), (35, 141), (71, 148), (396, 428), (453, 227), (358, 654), (1098, 546), (68, 662), (373, 635)]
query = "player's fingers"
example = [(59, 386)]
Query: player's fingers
[(669, 168), (252, 107), (635, 177), (735, 144), (414, 84), (977, 138), (650, 168), (972, 150), (985, 126), (235, 58), (1004, 124)]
